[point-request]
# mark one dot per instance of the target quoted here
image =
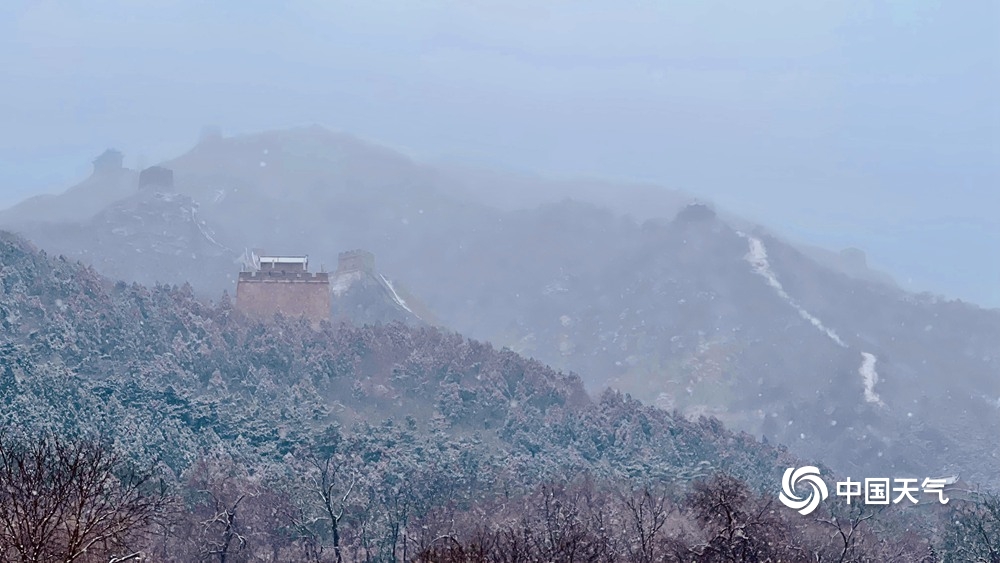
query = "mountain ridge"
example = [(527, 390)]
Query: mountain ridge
[(697, 311)]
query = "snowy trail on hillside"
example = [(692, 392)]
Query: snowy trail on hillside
[(757, 258), (870, 377), (204, 232), (396, 296)]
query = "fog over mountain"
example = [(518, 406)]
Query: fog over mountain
[(872, 125), (480, 282), (693, 310)]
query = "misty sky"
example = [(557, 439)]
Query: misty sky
[(866, 123)]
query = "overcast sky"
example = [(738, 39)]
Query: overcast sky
[(866, 123)]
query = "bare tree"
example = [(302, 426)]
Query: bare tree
[(646, 514), (849, 541), (737, 526), (225, 517), (328, 488), (334, 502), (71, 500), (556, 529), (304, 527)]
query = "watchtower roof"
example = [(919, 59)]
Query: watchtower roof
[(277, 262), (284, 259)]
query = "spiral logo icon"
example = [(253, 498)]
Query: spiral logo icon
[(808, 475)]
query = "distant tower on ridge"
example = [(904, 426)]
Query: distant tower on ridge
[(355, 261), (156, 177), (109, 163)]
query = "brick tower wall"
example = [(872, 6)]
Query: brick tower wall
[(262, 294)]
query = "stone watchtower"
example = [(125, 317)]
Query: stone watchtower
[(355, 261), (283, 284), (156, 177), (109, 163)]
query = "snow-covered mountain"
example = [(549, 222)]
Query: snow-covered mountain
[(688, 309)]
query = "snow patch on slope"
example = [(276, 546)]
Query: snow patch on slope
[(395, 296), (870, 377), (204, 231), (757, 258)]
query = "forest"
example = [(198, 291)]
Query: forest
[(143, 424)]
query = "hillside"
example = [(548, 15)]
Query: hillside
[(214, 377), (694, 311), (228, 409), (372, 443)]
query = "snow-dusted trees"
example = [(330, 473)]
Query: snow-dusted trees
[(975, 533), (719, 521), (244, 416), (72, 500)]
